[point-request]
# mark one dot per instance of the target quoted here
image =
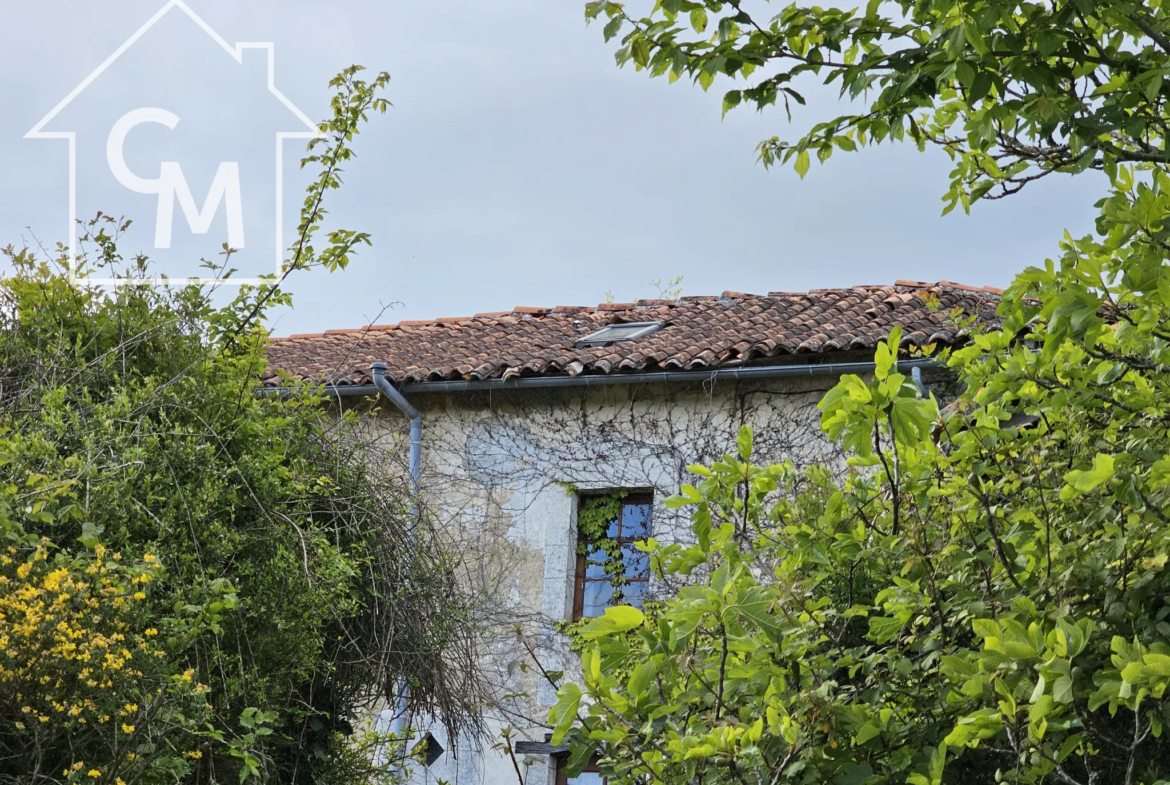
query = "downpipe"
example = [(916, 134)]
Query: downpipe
[(378, 371)]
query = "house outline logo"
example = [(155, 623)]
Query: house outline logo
[(170, 181)]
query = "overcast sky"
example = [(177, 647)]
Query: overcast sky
[(519, 165)]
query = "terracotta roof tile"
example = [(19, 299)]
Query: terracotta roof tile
[(697, 332)]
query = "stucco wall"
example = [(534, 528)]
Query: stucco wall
[(497, 472)]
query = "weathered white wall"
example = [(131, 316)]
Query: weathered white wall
[(497, 469)]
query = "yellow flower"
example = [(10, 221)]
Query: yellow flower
[(53, 580), (139, 595), (150, 631), (127, 728), (94, 772), (194, 753)]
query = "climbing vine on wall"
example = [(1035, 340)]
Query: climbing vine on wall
[(594, 515)]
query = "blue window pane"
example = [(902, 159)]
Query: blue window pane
[(612, 529), (634, 593), (637, 563), (597, 597), (636, 521), (595, 563)]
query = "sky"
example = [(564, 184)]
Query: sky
[(518, 166)]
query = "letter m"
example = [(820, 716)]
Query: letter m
[(225, 187)]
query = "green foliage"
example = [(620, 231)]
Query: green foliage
[(296, 588), (1011, 91), (80, 658), (985, 596), (594, 515), (973, 603), (670, 289), (351, 104)]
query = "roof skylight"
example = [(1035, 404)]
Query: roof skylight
[(617, 333)]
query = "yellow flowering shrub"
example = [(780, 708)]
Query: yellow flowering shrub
[(86, 688)]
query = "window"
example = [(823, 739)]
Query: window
[(591, 775), (430, 748), (615, 333), (626, 521)]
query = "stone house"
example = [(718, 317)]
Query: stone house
[(527, 415)]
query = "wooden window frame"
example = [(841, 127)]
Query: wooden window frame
[(579, 580), (592, 768)]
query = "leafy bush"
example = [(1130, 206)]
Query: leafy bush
[(79, 659), (203, 584)]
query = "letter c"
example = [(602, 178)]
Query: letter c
[(117, 139)]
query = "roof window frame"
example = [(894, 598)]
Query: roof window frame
[(593, 338)]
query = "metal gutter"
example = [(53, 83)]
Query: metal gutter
[(610, 379)]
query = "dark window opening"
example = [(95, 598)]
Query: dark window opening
[(430, 748), (596, 589)]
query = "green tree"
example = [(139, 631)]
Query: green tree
[(984, 597), (200, 584), (977, 602), (1012, 91)]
